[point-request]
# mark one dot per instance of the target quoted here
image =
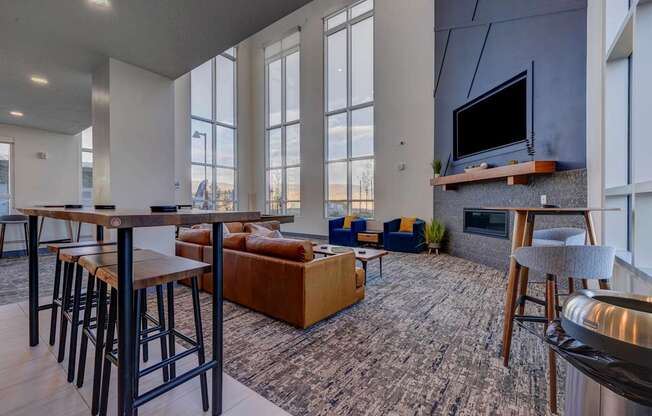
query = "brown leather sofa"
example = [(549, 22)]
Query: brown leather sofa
[(277, 276)]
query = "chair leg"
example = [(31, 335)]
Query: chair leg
[(88, 309), (26, 241), (604, 284), (55, 297), (138, 315), (571, 285), (161, 320), (551, 306), (143, 322), (99, 346), (63, 326), (512, 290), (522, 287), (171, 340), (556, 299), (2, 239), (200, 342), (74, 324), (110, 334)]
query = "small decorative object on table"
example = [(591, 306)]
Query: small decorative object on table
[(434, 234), (475, 168), (163, 208)]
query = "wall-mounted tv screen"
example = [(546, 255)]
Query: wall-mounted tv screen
[(495, 119)]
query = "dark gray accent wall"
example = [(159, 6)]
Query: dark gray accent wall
[(480, 44), (483, 43)]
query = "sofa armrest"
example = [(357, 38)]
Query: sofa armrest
[(358, 226), (419, 228), (335, 223), (391, 226)]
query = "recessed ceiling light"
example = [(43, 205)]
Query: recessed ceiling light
[(39, 80), (16, 113), (101, 3)]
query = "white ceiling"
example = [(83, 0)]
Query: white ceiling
[(63, 40)]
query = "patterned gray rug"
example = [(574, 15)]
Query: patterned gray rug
[(425, 341)]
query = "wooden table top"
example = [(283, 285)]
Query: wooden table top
[(130, 218), (550, 210), (369, 253)]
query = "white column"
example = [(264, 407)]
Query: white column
[(133, 144)]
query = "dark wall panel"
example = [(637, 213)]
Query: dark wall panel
[(550, 35)]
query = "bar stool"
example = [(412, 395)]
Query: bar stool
[(12, 220), (92, 263), (147, 274), (586, 262), (73, 299), (56, 296)]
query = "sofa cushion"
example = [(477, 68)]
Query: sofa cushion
[(284, 248), (199, 236), (348, 220), (236, 241), (342, 231), (260, 227), (228, 227), (406, 224)]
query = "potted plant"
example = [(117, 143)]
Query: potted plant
[(434, 234), (436, 167)]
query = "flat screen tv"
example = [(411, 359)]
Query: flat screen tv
[(496, 119)]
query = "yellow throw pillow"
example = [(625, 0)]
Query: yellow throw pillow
[(347, 221), (406, 224)]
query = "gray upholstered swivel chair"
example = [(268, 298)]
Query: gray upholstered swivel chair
[(563, 236), (585, 262)]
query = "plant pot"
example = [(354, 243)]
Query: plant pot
[(434, 247)]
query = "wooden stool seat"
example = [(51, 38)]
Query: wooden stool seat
[(159, 271), (72, 255), (55, 247), (95, 261)]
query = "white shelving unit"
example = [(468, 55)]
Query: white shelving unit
[(628, 129)]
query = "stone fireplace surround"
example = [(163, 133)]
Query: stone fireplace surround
[(564, 188)]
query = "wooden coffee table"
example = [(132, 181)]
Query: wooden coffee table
[(363, 255)]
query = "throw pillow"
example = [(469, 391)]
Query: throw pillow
[(406, 224), (348, 220)]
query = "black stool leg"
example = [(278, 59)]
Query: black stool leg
[(138, 316), (81, 369), (161, 320), (99, 346), (63, 330), (26, 239), (76, 306), (106, 372), (200, 342), (55, 297), (143, 322), (171, 341)]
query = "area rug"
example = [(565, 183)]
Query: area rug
[(425, 341)]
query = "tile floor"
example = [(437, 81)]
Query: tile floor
[(33, 383)]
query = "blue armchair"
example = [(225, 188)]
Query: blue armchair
[(345, 236), (395, 240)]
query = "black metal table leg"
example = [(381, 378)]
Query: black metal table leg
[(33, 280), (126, 324), (364, 267), (381, 267), (99, 233), (217, 318)]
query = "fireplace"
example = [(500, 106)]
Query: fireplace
[(486, 222)]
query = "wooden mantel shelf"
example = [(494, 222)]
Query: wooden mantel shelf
[(515, 174)]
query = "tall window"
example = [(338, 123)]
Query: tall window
[(213, 133), (5, 178), (87, 166), (349, 117), (282, 122)]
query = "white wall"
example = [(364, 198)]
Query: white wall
[(37, 181), (137, 147), (404, 68)]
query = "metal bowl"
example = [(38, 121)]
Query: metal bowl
[(617, 323)]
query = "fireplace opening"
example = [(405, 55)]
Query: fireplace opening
[(486, 222)]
